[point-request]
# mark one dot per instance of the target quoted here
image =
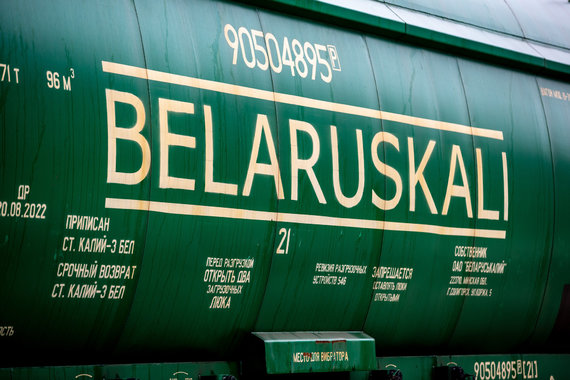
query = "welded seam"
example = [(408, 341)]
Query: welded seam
[(553, 215), (377, 89), (464, 299), (275, 230), (146, 227)]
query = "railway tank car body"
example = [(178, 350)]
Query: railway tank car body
[(182, 178)]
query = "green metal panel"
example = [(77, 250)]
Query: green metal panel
[(555, 98), (535, 19), (492, 15), (323, 282), (302, 352), (176, 175), (410, 82), (529, 19), (554, 58), (54, 148), (363, 11), (489, 30), (184, 270), (478, 41), (499, 97)]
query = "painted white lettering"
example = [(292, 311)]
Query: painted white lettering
[(298, 164), (386, 170), (132, 134), (170, 139), (418, 175), (481, 212), (456, 190), (211, 186), (271, 169), (505, 188), (355, 199)]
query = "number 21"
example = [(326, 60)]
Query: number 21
[(286, 232)]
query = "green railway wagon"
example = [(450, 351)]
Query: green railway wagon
[(340, 189)]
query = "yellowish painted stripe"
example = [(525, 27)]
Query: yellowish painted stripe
[(234, 213), (232, 89)]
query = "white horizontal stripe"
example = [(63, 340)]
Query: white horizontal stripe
[(234, 213), (232, 89)]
